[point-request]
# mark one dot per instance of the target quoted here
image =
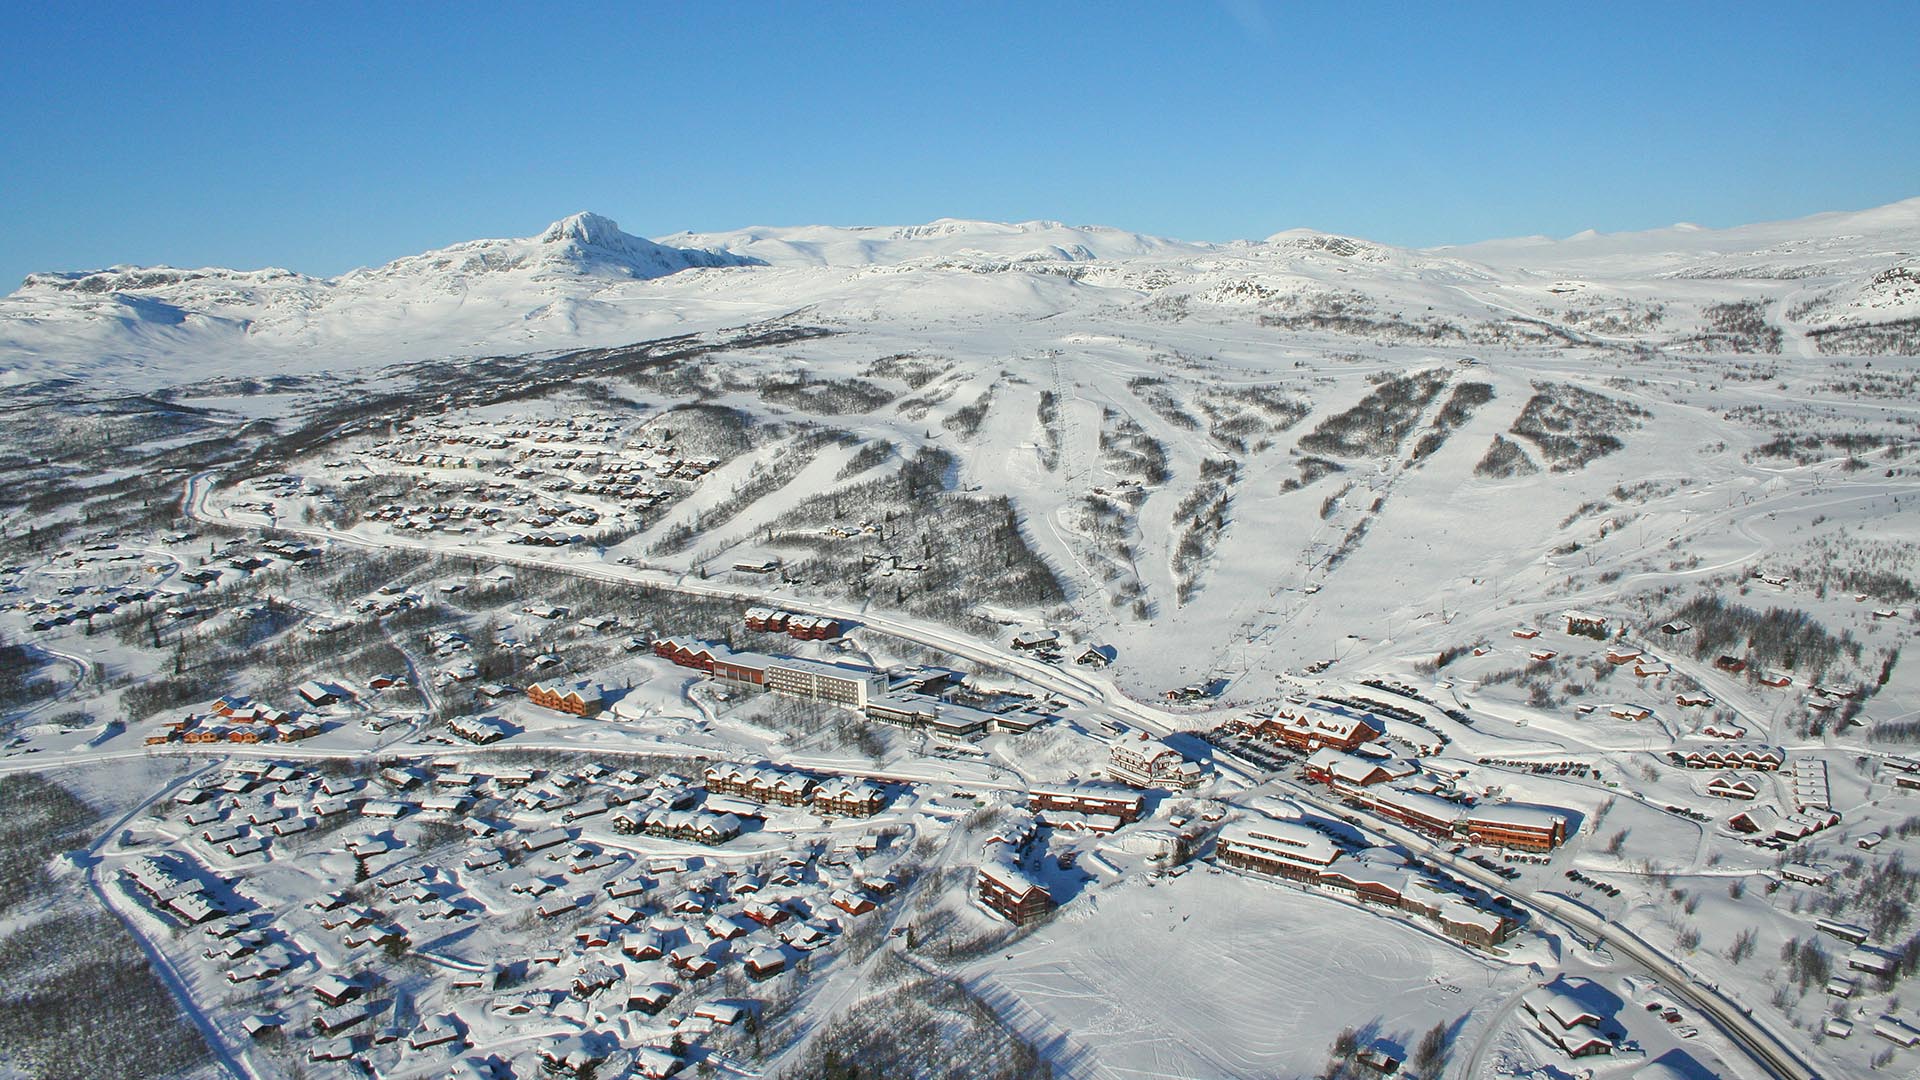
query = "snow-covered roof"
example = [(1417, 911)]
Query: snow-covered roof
[(822, 669), (331, 985), (1355, 769), (1360, 874), (1085, 789), (1009, 877), (1528, 817), (1287, 839), (1417, 803), (1865, 958), (1328, 718), (1564, 1008)]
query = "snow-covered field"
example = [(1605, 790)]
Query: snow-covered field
[(1209, 975)]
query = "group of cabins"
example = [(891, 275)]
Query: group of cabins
[(1769, 824), (1013, 894), (181, 894), (760, 919), (1734, 785), (622, 475), (667, 810), (1731, 755), (1005, 889), (1047, 645), (774, 786), (1293, 851), (439, 517), (577, 698), (236, 720), (480, 730), (617, 964), (756, 919), (675, 818), (1807, 785), (1382, 786), (51, 614), (690, 826), (682, 912), (254, 803), (463, 518), (573, 1055), (798, 627)]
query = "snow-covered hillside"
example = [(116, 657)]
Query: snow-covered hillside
[(1028, 241), (147, 323), (1834, 284), (1823, 244)]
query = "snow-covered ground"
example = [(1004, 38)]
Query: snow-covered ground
[(1254, 473)]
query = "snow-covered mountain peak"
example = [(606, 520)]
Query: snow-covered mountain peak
[(587, 228), (1313, 252), (580, 245), (592, 243), (1311, 241)]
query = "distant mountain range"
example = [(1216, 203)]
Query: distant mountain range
[(1836, 282)]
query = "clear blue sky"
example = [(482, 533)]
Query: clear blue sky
[(326, 136)]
